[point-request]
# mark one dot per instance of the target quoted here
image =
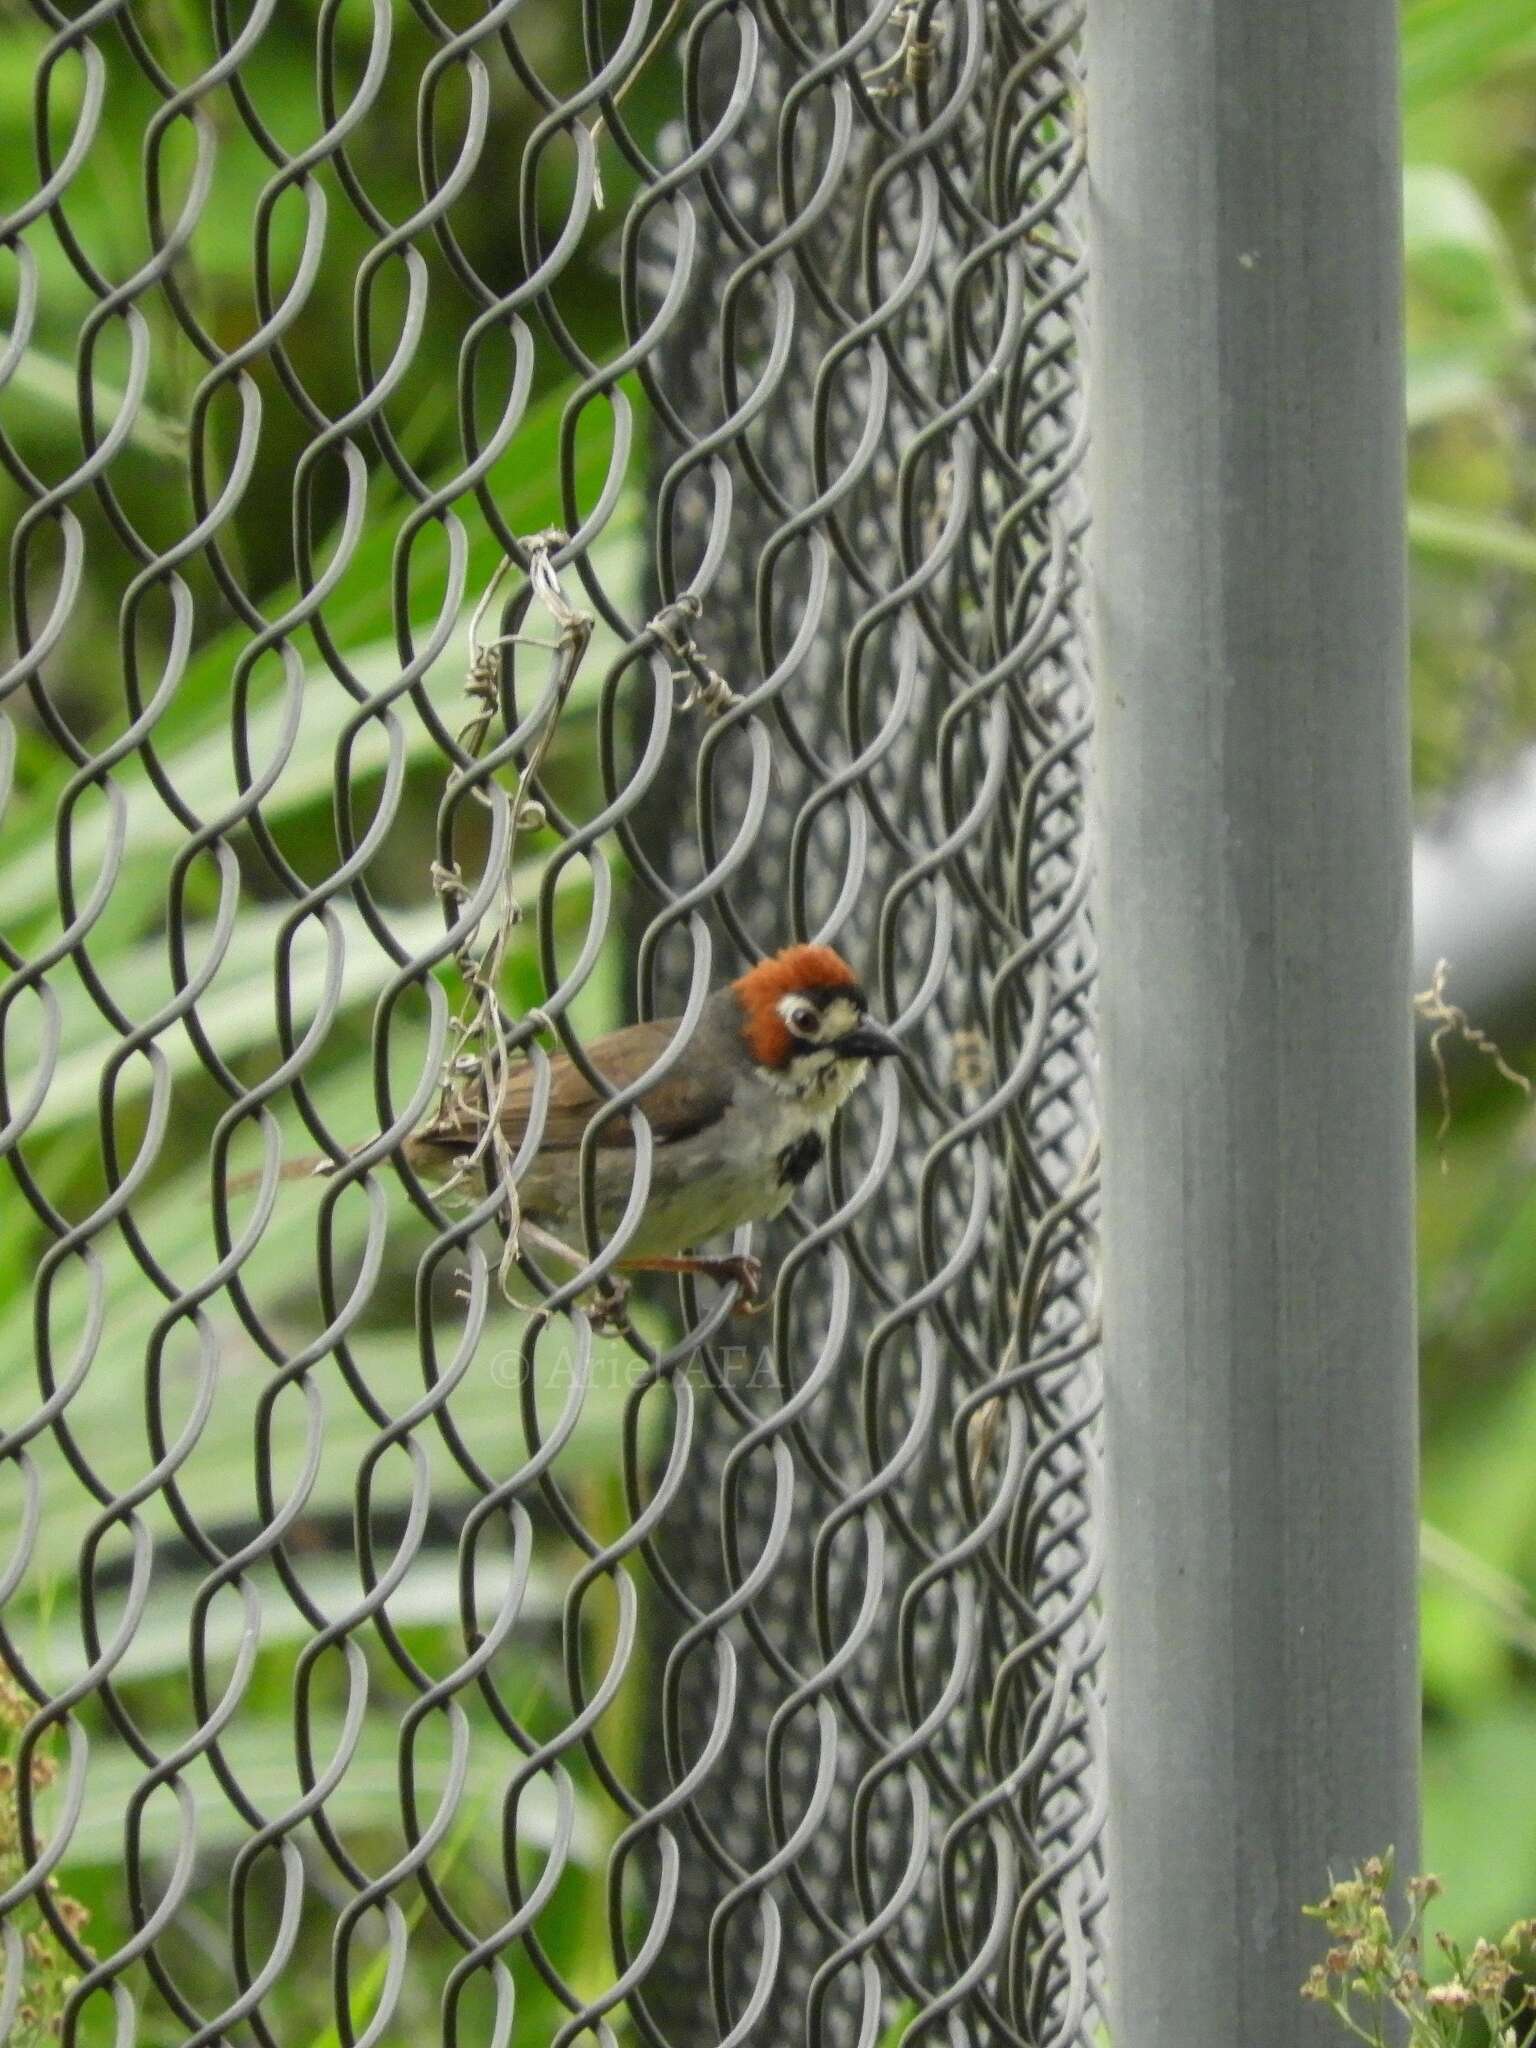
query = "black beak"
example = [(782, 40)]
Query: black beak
[(868, 1041)]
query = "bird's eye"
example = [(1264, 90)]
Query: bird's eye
[(805, 1020)]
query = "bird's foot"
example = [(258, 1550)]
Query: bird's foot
[(743, 1272), (610, 1305), (740, 1270)]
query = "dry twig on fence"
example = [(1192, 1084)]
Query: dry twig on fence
[(1447, 1017), (476, 1071)]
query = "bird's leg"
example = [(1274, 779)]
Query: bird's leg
[(611, 1293), (739, 1270)]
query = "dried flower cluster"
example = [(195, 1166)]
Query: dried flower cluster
[(1373, 1970), (48, 1973)]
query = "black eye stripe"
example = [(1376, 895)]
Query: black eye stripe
[(842, 990)]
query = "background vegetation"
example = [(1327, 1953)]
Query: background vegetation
[(1470, 99), (129, 953), (1469, 74)]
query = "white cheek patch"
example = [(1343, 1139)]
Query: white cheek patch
[(835, 1018)]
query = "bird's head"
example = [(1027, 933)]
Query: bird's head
[(807, 1025)]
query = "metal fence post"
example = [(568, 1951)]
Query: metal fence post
[(1248, 587)]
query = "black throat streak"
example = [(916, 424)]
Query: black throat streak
[(798, 1161)]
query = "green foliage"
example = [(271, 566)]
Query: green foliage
[(218, 1479), (295, 722), (1468, 320), (1478, 1318), (381, 595), (896, 2032), (1469, 71), (1453, 46), (1469, 80), (1480, 1809)]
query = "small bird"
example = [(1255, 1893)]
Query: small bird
[(738, 1124)]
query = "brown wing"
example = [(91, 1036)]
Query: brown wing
[(675, 1107)]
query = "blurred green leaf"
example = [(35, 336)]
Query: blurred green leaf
[(475, 1824), (1477, 1488), (428, 1592), (1450, 44), (193, 739), (1466, 1665), (238, 1010), (368, 1797), (1467, 317), (52, 387), (1473, 1617), (1480, 1819), (218, 1477), (1471, 537), (896, 2032)]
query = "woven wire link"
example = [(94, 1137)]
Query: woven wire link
[(765, 1656)]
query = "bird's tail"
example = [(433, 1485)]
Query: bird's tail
[(316, 1166), (429, 1154)]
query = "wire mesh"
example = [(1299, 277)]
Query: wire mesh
[(673, 555)]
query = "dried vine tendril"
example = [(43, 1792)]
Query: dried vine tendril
[(476, 1068)]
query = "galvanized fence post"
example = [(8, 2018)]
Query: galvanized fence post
[(1247, 566)]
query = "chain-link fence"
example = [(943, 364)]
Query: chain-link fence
[(513, 518)]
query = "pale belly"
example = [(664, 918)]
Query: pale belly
[(703, 1187)]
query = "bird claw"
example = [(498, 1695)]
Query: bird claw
[(610, 1305), (745, 1273)]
